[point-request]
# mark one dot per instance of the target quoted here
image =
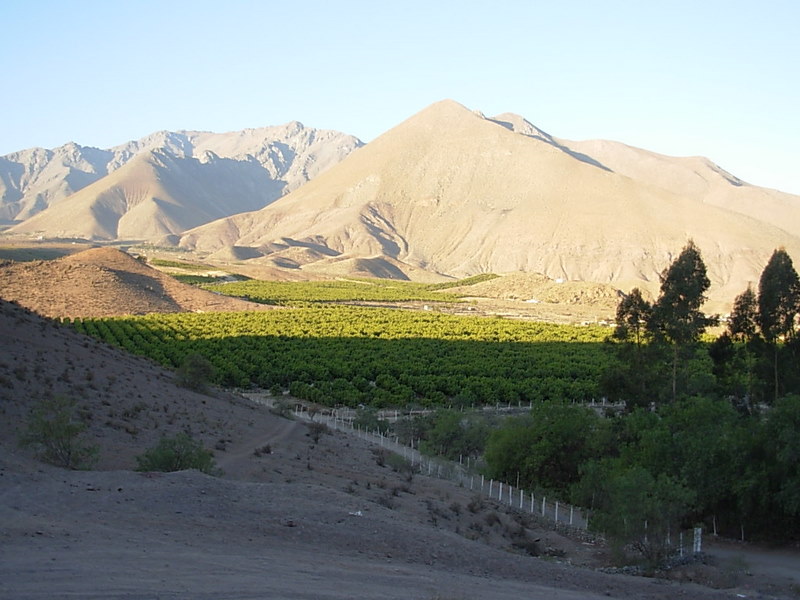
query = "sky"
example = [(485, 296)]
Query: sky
[(685, 77)]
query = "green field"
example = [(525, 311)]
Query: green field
[(303, 293), (376, 356)]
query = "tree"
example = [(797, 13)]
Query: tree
[(546, 448), (195, 372), (743, 324), (56, 434), (778, 305), (633, 315), (743, 328), (676, 317), (783, 449), (703, 441), (177, 454), (637, 509), (454, 435)]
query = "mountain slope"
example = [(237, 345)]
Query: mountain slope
[(453, 192), (171, 181), (698, 178)]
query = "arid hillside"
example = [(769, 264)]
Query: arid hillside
[(162, 184), (104, 282), (452, 192)]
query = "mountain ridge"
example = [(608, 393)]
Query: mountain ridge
[(257, 165), (447, 193), (456, 193)]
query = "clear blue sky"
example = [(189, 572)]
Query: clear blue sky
[(711, 77)]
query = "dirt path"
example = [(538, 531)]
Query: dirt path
[(757, 569)]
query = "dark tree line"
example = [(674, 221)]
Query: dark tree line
[(711, 427), (661, 355), (710, 431), (658, 339), (755, 360)]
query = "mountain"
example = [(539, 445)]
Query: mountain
[(452, 192), (162, 184)]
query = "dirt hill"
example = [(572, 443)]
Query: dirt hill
[(104, 282)]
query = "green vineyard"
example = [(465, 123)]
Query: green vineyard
[(343, 355), (296, 293)]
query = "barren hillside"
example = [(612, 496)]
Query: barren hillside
[(451, 192), (104, 282), (161, 184)]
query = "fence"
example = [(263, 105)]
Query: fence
[(560, 513), (393, 415)]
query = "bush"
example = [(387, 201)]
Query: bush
[(399, 464), (283, 408), (55, 433), (315, 430), (177, 454)]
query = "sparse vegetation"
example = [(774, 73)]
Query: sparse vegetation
[(283, 408), (55, 433), (316, 430), (177, 454), (398, 464), (262, 450)]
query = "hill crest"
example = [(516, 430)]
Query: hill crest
[(104, 282)]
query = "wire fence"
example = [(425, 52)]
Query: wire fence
[(560, 513), (393, 415)]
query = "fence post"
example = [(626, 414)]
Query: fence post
[(571, 511), (520, 499), (481, 484), (532, 508), (500, 497), (556, 517), (491, 483), (544, 499), (698, 540)]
